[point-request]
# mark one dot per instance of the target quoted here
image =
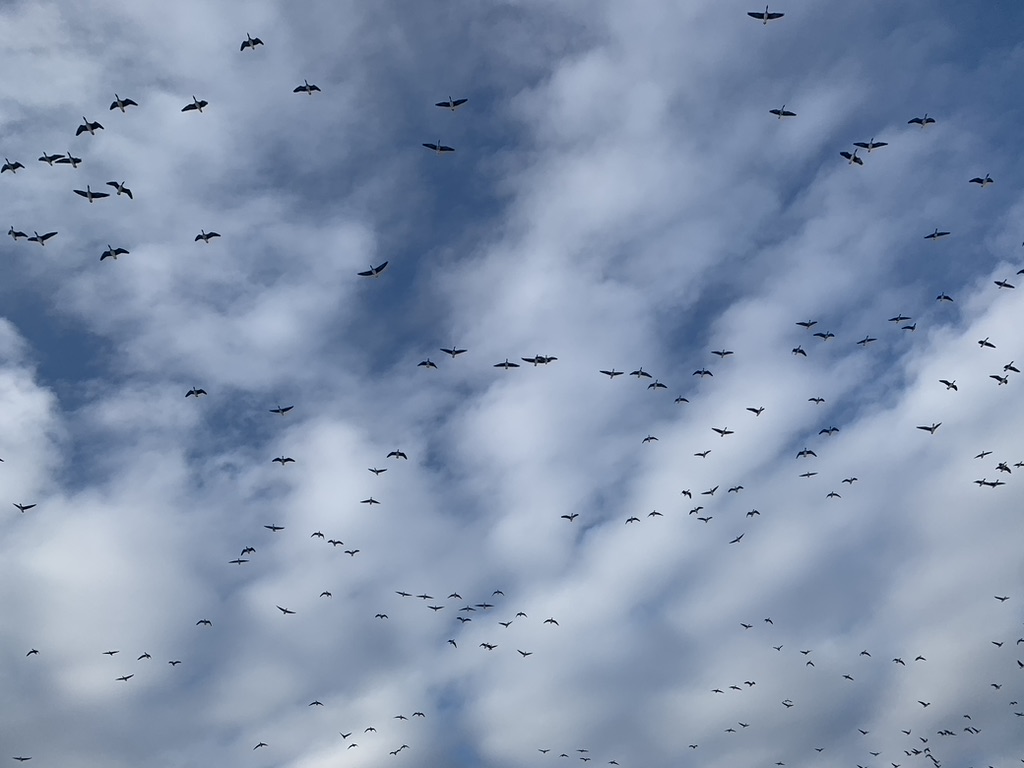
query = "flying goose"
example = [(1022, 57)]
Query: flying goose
[(281, 411), (12, 167), (121, 189), (922, 121), (113, 253), (506, 365), (89, 195), (197, 105), (250, 42), (15, 234), (451, 104), (936, 235), (282, 460), (306, 88), (87, 126), (612, 373), (428, 363), (782, 112), (374, 271), (982, 182), (120, 103), (41, 239), (870, 145), (765, 16), (206, 236), (453, 351), (50, 159), (195, 392), (852, 158), (71, 160), (24, 507), (438, 148)]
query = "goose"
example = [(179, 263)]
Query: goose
[(898, 319), (833, 495), (506, 365), (41, 239), (986, 343), (782, 112), (306, 88), (1001, 379), (50, 159), (204, 622), (656, 385), (639, 373), (870, 145), (9, 166), (15, 234), (982, 182), (453, 351), (924, 122), (1004, 284), (722, 432), (1010, 367), (808, 324), (798, 350), (949, 384), (756, 411), (87, 126), (539, 360), (805, 453), (285, 611), (723, 353), (680, 399), (852, 158), (397, 455), (936, 235), (702, 373), (281, 411), (197, 105), (250, 42), (428, 363), (374, 271), (866, 340), (196, 392), (438, 148), (816, 400), (120, 103), (121, 189), (113, 253), (649, 439), (71, 160), (24, 507), (931, 430), (206, 236), (824, 335), (944, 297), (765, 16), (282, 460), (451, 104), (89, 195)]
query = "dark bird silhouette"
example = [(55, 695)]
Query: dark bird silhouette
[(121, 189), (612, 373), (250, 42), (15, 234), (923, 122), (88, 127), (12, 167), (932, 428), (195, 392), (24, 507), (196, 105), (870, 145), (285, 611), (89, 195), (274, 528), (426, 364), (282, 411), (782, 112), (282, 460), (206, 236), (204, 623), (308, 88), (765, 16), (983, 343), (949, 384), (374, 271), (852, 158), (936, 235), (506, 365), (119, 103), (451, 104), (113, 253), (982, 182), (438, 148)]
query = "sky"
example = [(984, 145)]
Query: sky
[(820, 582)]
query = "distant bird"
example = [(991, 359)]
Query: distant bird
[(285, 611), (807, 324), (612, 373), (825, 335), (570, 517), (12, 167), (850, 480), (125, 678), (370, 500), (426, 364), (799, 351), (852, 159), (274, 528), (829, 431), (206, 236), (764, 16), (121, 189), (89, 195), (949, 384), (649, 438), (1000, 379), (539, 360), (71, 160), (1010, 367), (307, 88), (374, 271), (120, 103), (204, 623), (640, 373), (805, 453), (723, 353), (986, 343), (195, 392), (261, 744), (15, 234), (1004, 284), (550, 621), (375, 470), (870, 145), (110, 653), (924, 122), (737, 539), (936, 235), (89, 127), (656, 385), (250, 42), (453, 351), (24, 507), (506, 365), (932, 428), (723, 431), (282, 460), (174, 662), (451, 104), (832, 495), (982, 182), (32, 652), (282, 411), (197, 105), (397, 455), (756, 411), (782, 112), (438, 148), (1002, 599), (50, 159), (816, 400), (700, 454), (702, 373), (866, 340)]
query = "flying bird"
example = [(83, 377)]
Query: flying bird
[(88, 127), (397, 455), (15, 234), (612, 373), (50, 159), (765, 16), (24, 507), (250, 42), (782, 112), (438, 148), (121, 189), (282, 411), (89, 195), (451, 104), (195, 392), (197, 105), (932, 428), (982, 182), (285, 611), (206, 236), (937, 234), (120, 103), (870, 145), (949, 384), (308, 88), (282, 460), (12, 167), (923, 122), (374, 271), (852, 158)]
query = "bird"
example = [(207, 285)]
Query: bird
[(370, 500), (923, 122), (944, 297), (282, 460), (308, 88), (723, 431), (936, 235), (798, 350), (756, 411), (612, 373), (397, 455), (506, 365), (550, 621), (949, 384), (32, 652), (722, 353), (438, 148), (1001, 379), (15, 234), (825, 335), (70, 159), (24, 507), (50, 159), (119, 103), (805, 453), (285, 611), (374, 271), (986, 343), (737, 539), (282, 411), (195, 392), (852, 158), (524, 654), (89, 195), (453, 351), (174, 662), (640, 373), (829, 431), (206, 236), (702, 373), (1010, 367), (375, 470), (197, 105), (11, 166), (849, 480), (807, 324), (41, 239), (899, 318), (110, 653), (932, 428), (570, 517), (870, 145), (112, 253), (816, 400), (250, 42), (982, 182), (451, 104), (121, 189), (782, 112), (261, 744), (428, 363), (832, 495), (866, 340), (125, 678), (656, 385), (89, 127), (1001, 598), (274, 528), (204, 623), (765, 16)]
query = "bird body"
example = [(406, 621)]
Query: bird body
[(307, 88), (120, 103), (451, 104), (250, 42), (197, 105), (88, 127), (91, 196)]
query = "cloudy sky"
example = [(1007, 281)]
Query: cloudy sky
[(620, 198)]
